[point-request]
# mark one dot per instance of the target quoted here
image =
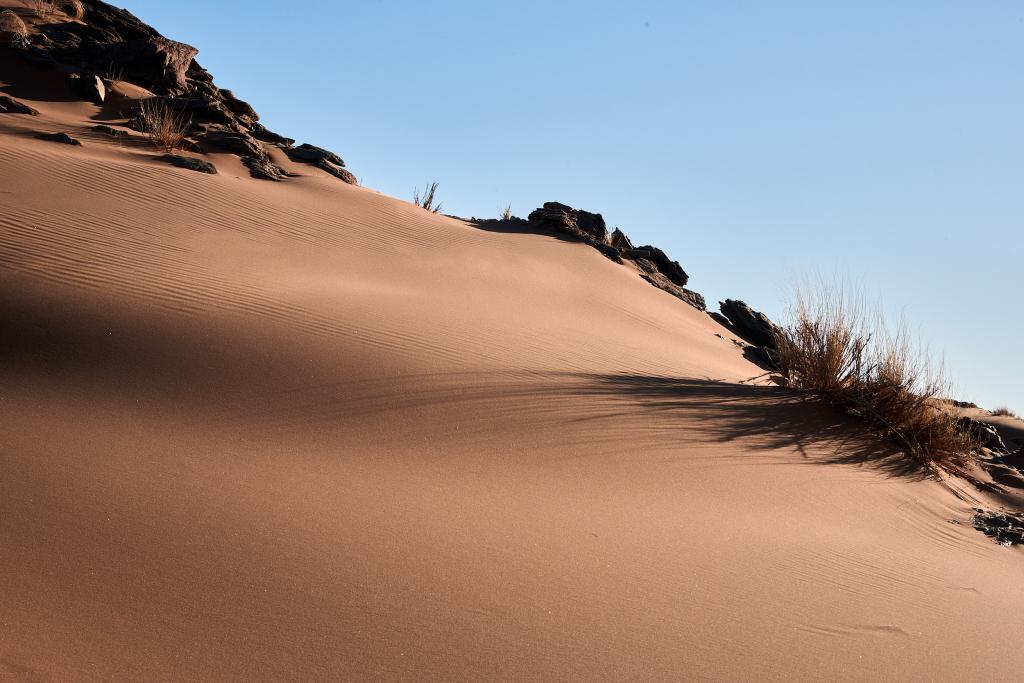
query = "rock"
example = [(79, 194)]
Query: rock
[(669, 268), (89, 88), (202, 108), (191, 163), (1007, 528), (753, 326), (339, 173), (261, 132), (592, 224), (11, 106), (313, 155), (59, 137), (262, 167), (965, 404), (240, 144), (560, 217), (237, 106), (620, 241), (720, 319), (985, 434), (663, 283), (110, 132), (156, 63)]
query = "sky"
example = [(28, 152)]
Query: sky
[(759, 143)]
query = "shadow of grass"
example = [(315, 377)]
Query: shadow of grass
[(763, 417)]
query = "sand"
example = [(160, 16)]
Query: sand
[(304, 431)]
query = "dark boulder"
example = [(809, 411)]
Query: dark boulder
[(262, 167), (154, 62), (559, 217), (752, 325), (657, 279), (338, 172), (63, 138), (237, 106), (201, 108), (983, 433), (110, 132), (669, 268), (11, 106), (239, 144), (593, 224), (1006, 528), (720, 319), (620, 240), (261, 132), (311, 154), (89, 88), (191, 163)]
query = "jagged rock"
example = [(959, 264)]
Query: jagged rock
[(202, 108), (262, 167), (110, 132), (337, 172), (563, 218), (12, 106), (983, 433), (89, 88), (240, 144), (154, 62), (620, 241), (313, 155), (261, 132), (58, 137), (1007, 528), (191, 163), (237, 106), (663, 283), (752, 325), (720, 319), (669, 268), (965, 404)]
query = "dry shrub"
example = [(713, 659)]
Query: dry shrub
[(45, 9), (12, 25), (428, 200), (165, 128), (836, 349), (1003, 411), (506, 214)]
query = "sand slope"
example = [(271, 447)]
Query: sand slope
[(303, 431)]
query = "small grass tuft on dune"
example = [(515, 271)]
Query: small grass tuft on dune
[(1003, 411), (834, 348), (165, 128), (427, 200)]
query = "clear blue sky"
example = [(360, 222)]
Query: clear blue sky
[(753, 141)]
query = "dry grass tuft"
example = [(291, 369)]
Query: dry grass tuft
[(834, 349), (45, 9), (506, 215), (428, 200), (1003, 411), (165, 128), (12, 25)]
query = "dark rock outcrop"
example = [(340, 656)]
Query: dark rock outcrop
[(262, 167), (985, 434), (154, 62), (752, 325), (620, 240), (666, 266), (191, 163), (661, 282), (559, 217), (12, 106), (89, 88), (1005, 527), (115, 43), (109, 131), (321, 158), (63, 138)]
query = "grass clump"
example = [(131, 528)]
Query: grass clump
[(45, 9), (833, 348), (1003, 411), (506, 214), (165, 128), (427, 200), (11, 25)]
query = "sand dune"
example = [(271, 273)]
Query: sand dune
[(305, 431)]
